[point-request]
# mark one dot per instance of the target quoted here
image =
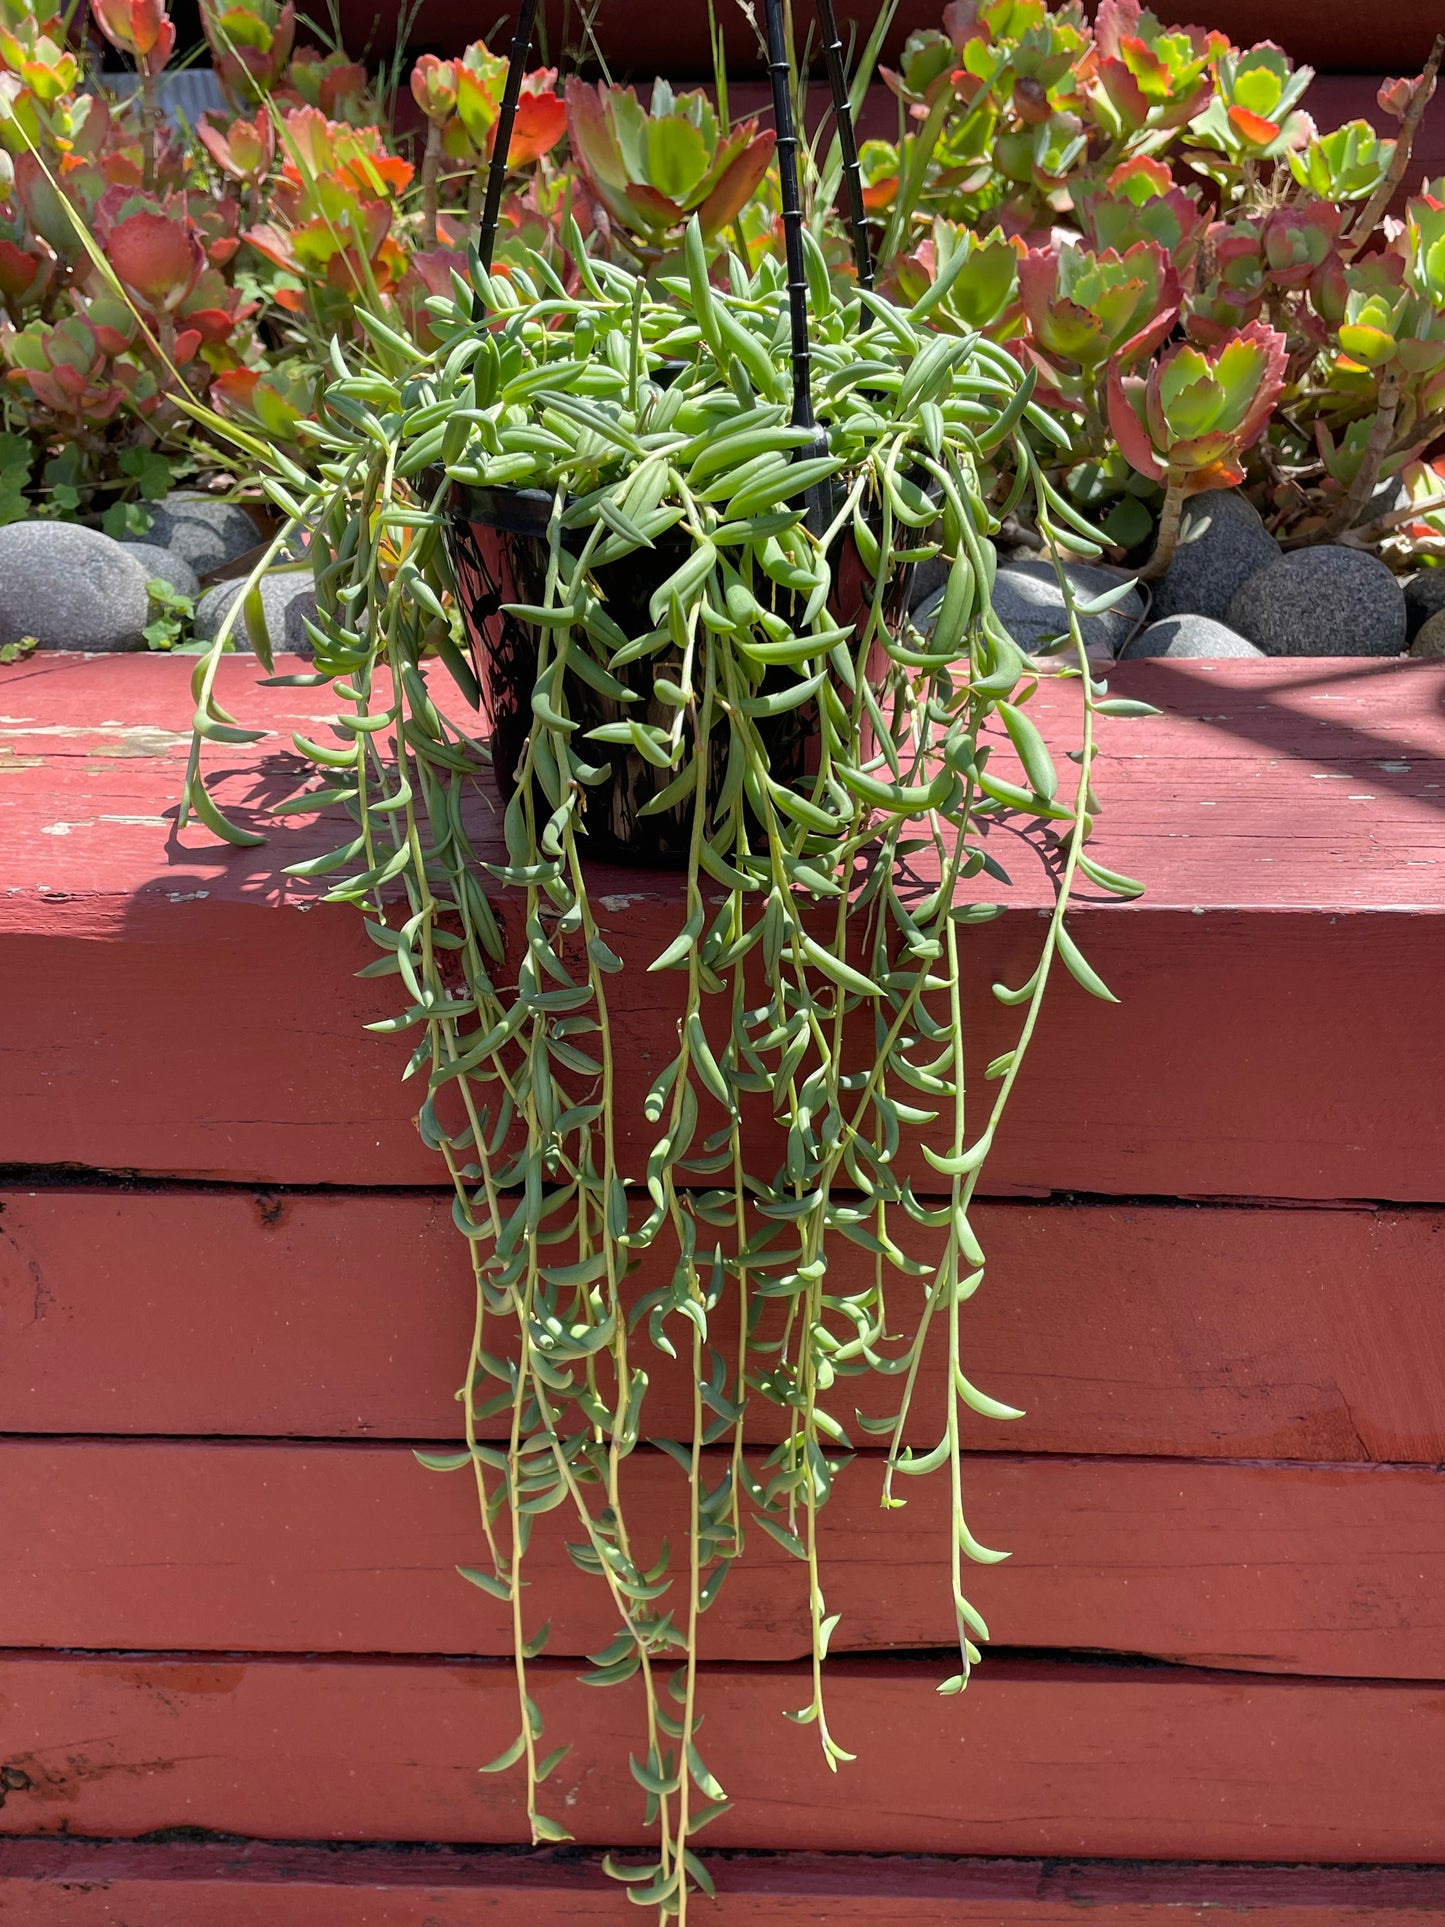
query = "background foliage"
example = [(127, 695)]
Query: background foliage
[(1210, 288)]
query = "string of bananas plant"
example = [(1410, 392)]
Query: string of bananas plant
[(808, 751)]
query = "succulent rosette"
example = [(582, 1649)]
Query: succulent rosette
[(1085, 309), (243, 149), (982, 294), (66, 369), (35, 62), (1347, 164), (331, 83), (651, 168), (1189, 420), (434, 88), (1299, 241), (1254, 113), (272, 399), (1139, 200), (1230, 281), (478, 80), (250, 44), (1151, 75), (140, 28)]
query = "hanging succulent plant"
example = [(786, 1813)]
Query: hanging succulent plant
[(607, 496)]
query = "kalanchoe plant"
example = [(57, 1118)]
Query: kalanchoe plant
[(1150, 77), (704, 637), (1187, 423), (1065, 145), (250, 44), (1088, 160), (650, 169), (1253, 116), (1087, 310)]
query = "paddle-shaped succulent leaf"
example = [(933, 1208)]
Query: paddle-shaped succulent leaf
[(140, 28), (652, 168), (1347, 164), (250, 44), (1139, 200), (152, 246), (1425, 239), (1151, 75), (1085, 309), (1253, 113), (1188, 421)]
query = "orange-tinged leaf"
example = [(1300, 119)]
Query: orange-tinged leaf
[(1254, 127)]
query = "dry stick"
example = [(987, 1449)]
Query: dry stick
[(502, 133), (1380, 200), (1360, 538), (1367, 475)]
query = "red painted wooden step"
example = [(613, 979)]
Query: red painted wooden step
[(79, 1884), (170, 1009), (1184, 1331), (1301, 1569), (1035, 1759)]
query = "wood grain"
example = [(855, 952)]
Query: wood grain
[(353, 1549), (83, 1884), (1188, 1331), (171, 1010), (1036, 1759)]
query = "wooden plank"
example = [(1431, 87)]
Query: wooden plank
[(353, 1549), (160, 1011), (83, 1884), (1036, 1759), (1189, 1331)]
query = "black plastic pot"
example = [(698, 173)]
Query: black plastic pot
[(497, 541), (499, 555)]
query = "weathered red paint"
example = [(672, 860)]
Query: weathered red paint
[(1035, 1759), (80, 1884), (171, 1010), (353, 1549), (174, 1011), (1181, 1330)]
